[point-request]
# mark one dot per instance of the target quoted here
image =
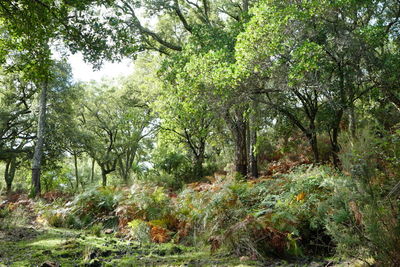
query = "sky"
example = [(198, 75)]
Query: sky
[(84, 72)]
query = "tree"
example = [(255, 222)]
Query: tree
[(16, 121), (314, 54), (113, 124)]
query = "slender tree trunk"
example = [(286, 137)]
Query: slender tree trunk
[(92, 172), (334, 139), (199, 160), (9, 173), (241, 149), (38, 154), (253, 156), (253, 125), (76, 170), (103, 176), (312, 138), (248, 148), (246, 6), (6, 177), (238, 129), (352, 120)]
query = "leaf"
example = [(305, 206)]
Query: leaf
[(300, 196)]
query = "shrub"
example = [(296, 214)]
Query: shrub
[(140, 231), (364, 220), (96, 205)]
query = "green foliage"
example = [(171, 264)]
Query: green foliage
[(96, 205), (140, 231), (364, 217), (152, 202), (96, 229)]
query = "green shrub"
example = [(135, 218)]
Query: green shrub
[(96, 205), (152, 202), (140, 231), (96, 229), (364, 220)]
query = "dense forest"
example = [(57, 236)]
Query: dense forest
[(249, 133)]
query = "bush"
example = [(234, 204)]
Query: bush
[(96, 205), (364, 220), (140, 231), (278, 216)]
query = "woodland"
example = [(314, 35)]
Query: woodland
[(249, 133)]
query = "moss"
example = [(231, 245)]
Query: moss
[(77, 248)]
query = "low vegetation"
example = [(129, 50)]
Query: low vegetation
[(248, 133)]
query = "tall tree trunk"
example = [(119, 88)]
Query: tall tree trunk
[(6, 177), (103, 176), (252, 154), (199, 160), (92, 172), (248, 148), (38, 154), (253, 125), (238, 128), (76, 170), (334, 138), (9, 173), (352, 120), (312, 138), (246, 6), (241, 148)]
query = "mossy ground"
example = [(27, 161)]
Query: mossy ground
[(66, 247)]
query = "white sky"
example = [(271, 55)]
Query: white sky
[(84, 72)]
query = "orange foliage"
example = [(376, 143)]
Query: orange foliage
[(159, 234), (300, 196)]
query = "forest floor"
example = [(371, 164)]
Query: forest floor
[(29, 246), (66, 247)]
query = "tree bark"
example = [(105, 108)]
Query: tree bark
[(199, 160), (352, 120), (241, 148), (252, 154), (92, 172), (76, 170), (335, 148), (246, 6), (38, 154), (253, 128), (104, 176), (238, 127), (9, 173), (312, 138)]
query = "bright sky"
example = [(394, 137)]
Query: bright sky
[(84, 72)]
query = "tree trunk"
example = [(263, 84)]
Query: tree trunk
[(253, 156), (253, 125), (76, 170), (10, 173), (312, 138), (38, 154), (92, 172), (334, 139), (352, 120), (104, 176), (6, 177), (246, 6), (198, 164), (238, 128), (241, 148)]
